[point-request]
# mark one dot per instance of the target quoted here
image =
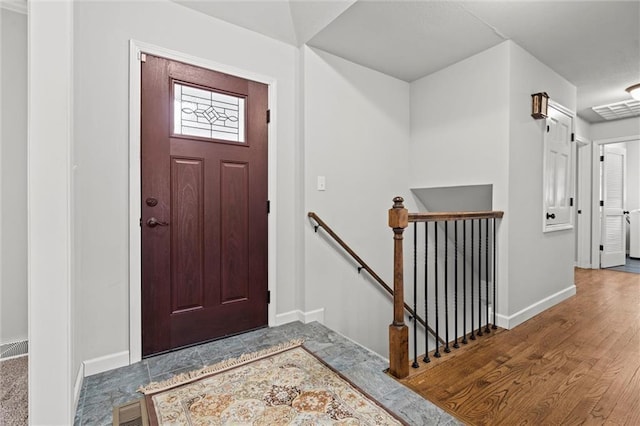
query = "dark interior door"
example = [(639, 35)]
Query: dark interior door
[(204, 204)]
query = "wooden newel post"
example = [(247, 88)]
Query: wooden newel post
[(398, 331)]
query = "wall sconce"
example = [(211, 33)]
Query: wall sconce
[(539, 103), (634, 91)]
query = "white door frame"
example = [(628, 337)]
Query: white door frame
[(135, 202), (595, 202), (583, 203)]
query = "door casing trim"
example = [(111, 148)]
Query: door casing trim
[(595, 188), (135, 241)]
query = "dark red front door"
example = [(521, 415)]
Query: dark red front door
[(204, 204)]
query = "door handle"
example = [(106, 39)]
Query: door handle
[(152, 222), (551, 216)]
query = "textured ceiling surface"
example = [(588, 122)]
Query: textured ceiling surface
[(593, 44)]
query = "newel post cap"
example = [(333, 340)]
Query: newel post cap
[(398, 215)]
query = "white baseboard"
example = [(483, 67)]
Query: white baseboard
[(106, 363), (287, 317), (298, 315), (531, 311), (582, 265), (77, 388), (121, 359), (316, 315)]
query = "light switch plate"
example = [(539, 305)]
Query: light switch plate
[(321, 183)]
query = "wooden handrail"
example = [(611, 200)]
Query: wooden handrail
[(446, 216), (363, 265)]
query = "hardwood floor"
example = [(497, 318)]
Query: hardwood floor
[(576, 363)]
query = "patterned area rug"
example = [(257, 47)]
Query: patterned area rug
[(284, 385)]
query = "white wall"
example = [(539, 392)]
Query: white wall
[(633, 181), (616, 128), (583, 128), (102, 30), (633, 175), (529, 247), (356, 135), (471, 124), (13, 178), (459, 134)]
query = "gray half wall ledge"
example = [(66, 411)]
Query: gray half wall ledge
[(456, 198)]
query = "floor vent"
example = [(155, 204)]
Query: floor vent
[(11, 350), (131, 414)]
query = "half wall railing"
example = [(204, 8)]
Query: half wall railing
[(454, 281)]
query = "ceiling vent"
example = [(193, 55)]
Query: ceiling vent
[(624, 109)]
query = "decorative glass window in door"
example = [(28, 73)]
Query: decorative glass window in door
[(208, 114)]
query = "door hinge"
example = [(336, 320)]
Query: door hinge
[(571, 202), (142, 57), (601, 247), (573, 137), (601, 203), (140, 222), (602, 158), (268, 206), (268, 296), (268, 116)]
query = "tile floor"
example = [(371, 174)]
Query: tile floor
[(631, 265), (101, 392)]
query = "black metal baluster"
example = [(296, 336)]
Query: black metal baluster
[(464, 282), (415, 296), (446, 287), (495, 304), (486, 273), (426, 299), (455, 289), (473, 336), (435, 265), (479, 333)]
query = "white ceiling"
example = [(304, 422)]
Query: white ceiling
[(593, 44), (293, 22)]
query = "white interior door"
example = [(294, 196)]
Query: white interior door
[(557, 173), (612, 237)]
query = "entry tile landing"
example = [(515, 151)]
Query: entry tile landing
[(101, 392)]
